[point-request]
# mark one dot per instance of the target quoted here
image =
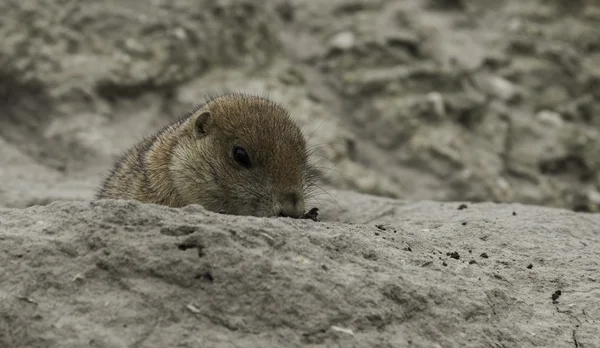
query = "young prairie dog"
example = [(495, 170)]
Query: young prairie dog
[(236, 154)]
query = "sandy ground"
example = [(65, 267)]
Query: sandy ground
[(411, 101)]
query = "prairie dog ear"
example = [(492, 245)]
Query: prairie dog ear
[(202, 123)]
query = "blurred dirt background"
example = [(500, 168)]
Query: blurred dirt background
[(415, 99)]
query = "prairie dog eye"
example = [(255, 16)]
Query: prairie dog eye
[(240, 156)]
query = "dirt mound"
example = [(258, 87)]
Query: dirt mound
[(388, 274)]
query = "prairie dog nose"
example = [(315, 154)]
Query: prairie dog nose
[(291, 205)]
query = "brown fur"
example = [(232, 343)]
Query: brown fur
[(190, 161)]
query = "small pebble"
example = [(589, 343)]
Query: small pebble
[(343, 40), (454, 255)]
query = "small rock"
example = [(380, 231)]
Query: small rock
[(437, 101), (134, 46), (180, 33), (550, 118), (594, 197), (343, 40), (498, 87), (454, 255)]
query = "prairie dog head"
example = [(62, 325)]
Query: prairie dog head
[(245, 156)]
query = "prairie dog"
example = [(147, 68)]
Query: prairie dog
[(236, 153)]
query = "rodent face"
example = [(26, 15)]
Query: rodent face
[(258, 158)]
